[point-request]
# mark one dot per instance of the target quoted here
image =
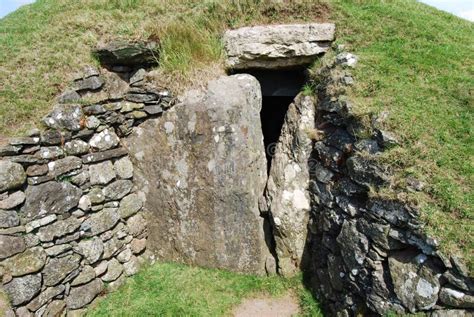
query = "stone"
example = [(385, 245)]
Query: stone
[(100, 222), (354, 245), (64, 117), (138, 245), (153, 110), (37, 170), (11, 245), (90, 83), (32, 225), (131, 267), (12, 201), (50, 198), (386, 139), (57, 269), (130, 205), (125, 255), (394, 213), (58, 249), (277, 46), (111, 247), (130, 106), (136, 225), (7, 150), (101, 173), (92, 122), (8, 218), (45, 296), (114, 270), (13, 230), (91, 249), (124, 168), (58, 229), (82, 295), (23, 289), (63, 166), (455, 298), (76, 147), (24, 141), (12, 175), (30, 261), (101, 268), (118, 189), (102, 156), (191, 151), (96, 196), (85, 203), (137, 77), (87, 274), (104, 140), (366, 172), (69, 96), (131, 54), (415, 284), (54, 137), (347, 59), (286, 194), (5, 306), (55, 308)]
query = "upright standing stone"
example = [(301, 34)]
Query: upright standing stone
[(208, 157)]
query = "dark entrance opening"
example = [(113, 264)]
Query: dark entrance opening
[(279, 88)]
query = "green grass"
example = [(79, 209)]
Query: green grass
[(179, 290), (415, 62)]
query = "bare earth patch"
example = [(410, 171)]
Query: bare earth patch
[(285, 306)]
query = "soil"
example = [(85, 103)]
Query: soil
[(285, 306)]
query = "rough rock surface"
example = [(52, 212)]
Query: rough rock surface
[(128, 54), (277, 46), (287, 196), (12, 175), (83, 295), (210, 162), (22, 289)]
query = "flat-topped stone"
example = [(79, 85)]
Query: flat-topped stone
[(277, 46)]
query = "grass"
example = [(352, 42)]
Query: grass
[(179, 290), (415, 62)]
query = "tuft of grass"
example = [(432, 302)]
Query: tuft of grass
[(178, 290)]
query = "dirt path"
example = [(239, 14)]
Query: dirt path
[(285, 306)]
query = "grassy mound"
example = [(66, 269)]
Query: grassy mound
[(416, 63), (179, 290)]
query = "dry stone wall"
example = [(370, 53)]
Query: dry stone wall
[(72, 223), (369, 255)]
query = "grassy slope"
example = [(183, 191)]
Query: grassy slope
[(179, 290), (416, 62)]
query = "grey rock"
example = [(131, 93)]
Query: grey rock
[(63, 166), (394, 213), (32, 225), (286, 194), (37, 170), (92, 122), (8, 218), (24, 141), (54, 137), (277, 46), (57, 269), (12, 201), (104, 140), (85, 203), (11, 245), (87, 274), (50, 198), (386, 139), (365, 172), (456, 298), (415, 284), (124, 168), (54, 309), (76, 147), (191, 150), (7, 150), (112, 247), (354, 245), (137, 77), (451, 313), (58, 229), (102, 156), (69, 96), (81, 179), (118, 189), (114, 270), (44, 297), (101, 173), (119, 53), (347, 59), (91, 249), (12, 175), (125, 255), (64, 117), (131, 267), (82, 295), (100, 222), (23, 289), (5, 305), (130, 205), (367, 145), (130, 106), (58, 249), (30, 261), (136, 225), (90, 83), (96, 196), (101, 268), (138, 245), (153, 110)]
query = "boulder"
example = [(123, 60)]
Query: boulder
[(23, 289), (287, 196), (134, 55), (207, 155), (277, 46), (64, 117), (12, 175), (82, 295), (30, 261), (50, 198), (57, 269)]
